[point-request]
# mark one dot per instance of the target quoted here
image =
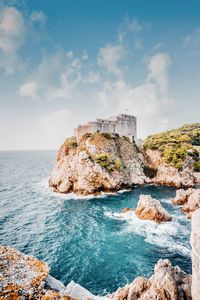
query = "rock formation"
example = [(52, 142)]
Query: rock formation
[(189, 199), (195, 242), (100, 162), (166, 174), (151, 209), (172, 157), (22, 276), (167, 283)]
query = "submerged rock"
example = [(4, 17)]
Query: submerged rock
[(167, 283), (99, 163), (151, 209), (190, 199)]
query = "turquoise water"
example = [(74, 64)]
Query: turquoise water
[(83, 239)]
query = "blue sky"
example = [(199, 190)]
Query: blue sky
[(65, 62)]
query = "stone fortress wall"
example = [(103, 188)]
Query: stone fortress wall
[(123, 124)]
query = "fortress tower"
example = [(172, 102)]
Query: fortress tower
[(123, 124)]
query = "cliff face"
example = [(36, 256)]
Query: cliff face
[(100, 162), (195, 242), (173, 157)]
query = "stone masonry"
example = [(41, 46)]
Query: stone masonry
[(123, 124)]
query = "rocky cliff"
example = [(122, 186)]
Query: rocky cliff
[(173, 157), (100, 162), (195, 242)]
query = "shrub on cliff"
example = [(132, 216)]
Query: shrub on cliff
[(108, 162)]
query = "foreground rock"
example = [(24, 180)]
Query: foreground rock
[(195, 242), (21, 275), (151, 209), (190, 199), (25, 277), (100, 162), (167, 283)]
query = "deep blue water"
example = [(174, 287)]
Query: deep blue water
[(82, 239)]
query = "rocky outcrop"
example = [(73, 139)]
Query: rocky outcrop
[(189, 199), (100, 162), (151, 209), (195, 242), (167, 283), (168, 175), (21, 275)]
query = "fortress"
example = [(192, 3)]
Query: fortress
[(123, 124)]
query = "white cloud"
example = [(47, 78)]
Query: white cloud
[(38, 16), (150, 101), (12, 33), (15, 28), (130, 29), (59, 75), (110, 57), (192, 39), (84, 55), (158, 70), (69, 54), (29, 89), (55, 127)]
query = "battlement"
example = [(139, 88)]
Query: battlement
[(122, 124)]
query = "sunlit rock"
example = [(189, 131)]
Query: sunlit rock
[(151, 209)]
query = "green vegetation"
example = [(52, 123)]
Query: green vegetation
[(70, 143), (177, 144), (108, 162)]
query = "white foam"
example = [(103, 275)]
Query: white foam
[(164, 234)]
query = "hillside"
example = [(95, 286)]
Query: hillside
[(177, 146)]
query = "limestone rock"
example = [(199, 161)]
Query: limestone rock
[(21, 275), (151, 209), (167, 283), (195, 242), (193, 202), (76, 291), (189, 199), (100, 162), (170, 176), (181, 196)]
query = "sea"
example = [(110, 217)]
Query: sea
[(84, 239)]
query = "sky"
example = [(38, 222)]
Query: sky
[(65, 62)]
